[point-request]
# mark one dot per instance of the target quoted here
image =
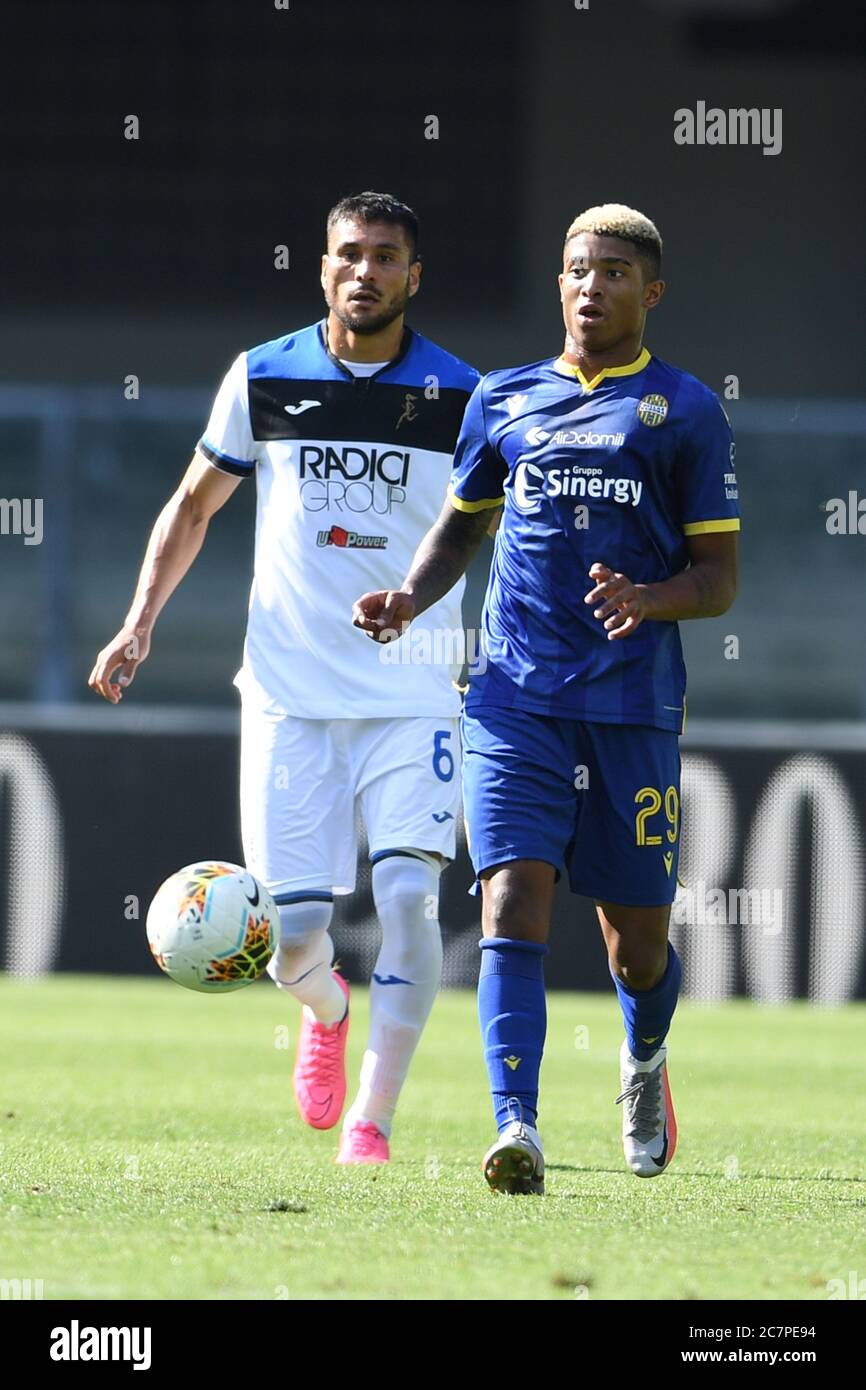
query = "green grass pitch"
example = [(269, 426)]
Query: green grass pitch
[(151, 1150)]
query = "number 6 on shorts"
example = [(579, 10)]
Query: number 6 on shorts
[(443, 758)]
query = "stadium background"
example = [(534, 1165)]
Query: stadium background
[(155, 258)]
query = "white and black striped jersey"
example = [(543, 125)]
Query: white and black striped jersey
[(351, 473)]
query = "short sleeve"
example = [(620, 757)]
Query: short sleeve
[(708, 495), (228, 442), (479, 472)]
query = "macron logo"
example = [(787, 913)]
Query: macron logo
[(299, 409)]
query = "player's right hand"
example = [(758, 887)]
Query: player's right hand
[(126, 651), (383, 615)]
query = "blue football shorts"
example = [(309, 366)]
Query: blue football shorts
[(601, 800)]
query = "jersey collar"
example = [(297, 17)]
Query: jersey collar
[(404, 348), (567, 369)]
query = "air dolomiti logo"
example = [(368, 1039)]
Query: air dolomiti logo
[(584, 439), (531, 483)]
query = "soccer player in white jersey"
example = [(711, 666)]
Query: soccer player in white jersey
[(349, 426)]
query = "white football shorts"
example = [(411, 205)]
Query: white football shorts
[(303, 782)]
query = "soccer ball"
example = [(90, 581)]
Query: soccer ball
[(213, 927)]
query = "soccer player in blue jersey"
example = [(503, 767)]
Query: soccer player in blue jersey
[(620, 517)]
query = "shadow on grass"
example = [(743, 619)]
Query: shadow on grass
[(686, 1173)]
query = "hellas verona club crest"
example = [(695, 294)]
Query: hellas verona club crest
[(652, 410)]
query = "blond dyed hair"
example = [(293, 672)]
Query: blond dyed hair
[(615, 219)]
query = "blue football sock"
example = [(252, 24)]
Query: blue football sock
[(512, 1011), (647, 1013)]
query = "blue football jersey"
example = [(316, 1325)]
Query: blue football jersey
[(621, 470)]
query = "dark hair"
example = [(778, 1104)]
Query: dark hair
[(378, 207)]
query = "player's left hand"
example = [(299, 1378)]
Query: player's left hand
[(621, 605)]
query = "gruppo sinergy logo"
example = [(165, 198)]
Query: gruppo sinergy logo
[(530, 482)]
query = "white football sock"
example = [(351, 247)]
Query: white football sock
[(406, 894), (302, 962)]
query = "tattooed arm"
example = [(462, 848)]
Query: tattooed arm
[(705, 590), (442, 557)]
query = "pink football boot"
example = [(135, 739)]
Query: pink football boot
[(320, 1068), (362, 1142)]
